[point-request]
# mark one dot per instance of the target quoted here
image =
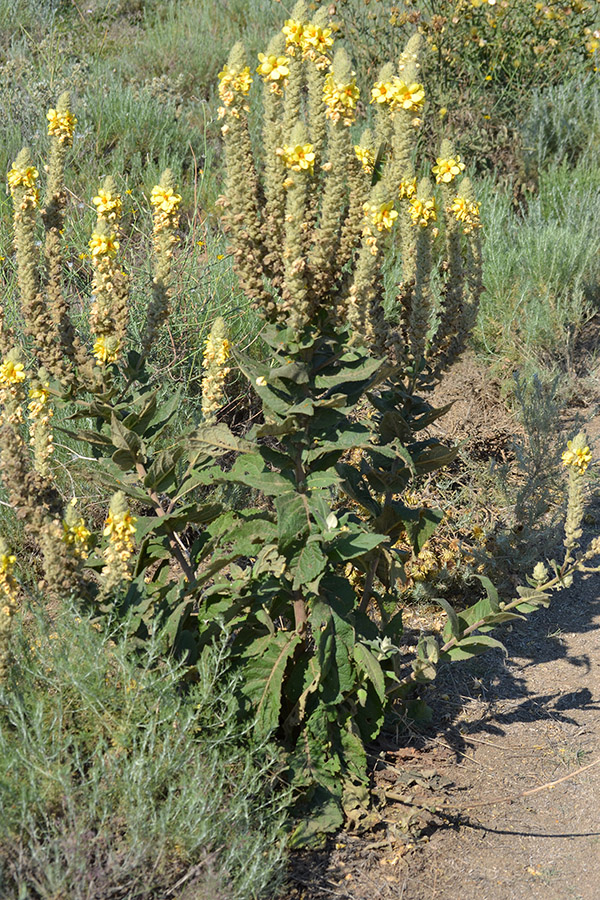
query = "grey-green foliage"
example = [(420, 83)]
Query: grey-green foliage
[(541, 267), (562, 123), (113, 782)]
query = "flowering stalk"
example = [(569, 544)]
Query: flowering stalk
[(22, 181), (423, 212), (299, 158), (61, 127), (109, 313), (165, 202), (364, 311), (9, 601), (274, 70), (216, 353), (119, 528), (242, 220), (12, 388), (40, 414), (340, 95), (576, 459)]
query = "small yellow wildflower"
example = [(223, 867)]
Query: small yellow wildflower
[(467, 213), (447, 169), (61, 125), (293, 31), (22, 177), (407, 189), (577, 457), (315, 40), (422, 212), (108, 205), (103, 245), (273, 68), (381, 215), (234, 82), (12, 372), (39, 399), (340, 99), (383, 92), (77, 536), (261, 381), (409, 96), (299, 158), (164, 199), (106, 349), (366, 158)]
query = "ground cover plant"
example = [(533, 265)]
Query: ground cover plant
[(359, 253)]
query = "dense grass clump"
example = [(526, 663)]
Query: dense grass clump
[(116, 782)]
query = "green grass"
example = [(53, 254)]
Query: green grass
[(541, 270), (114, 782)]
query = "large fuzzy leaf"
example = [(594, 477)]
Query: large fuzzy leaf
[(267, 659)]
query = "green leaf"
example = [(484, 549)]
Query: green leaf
[(472, 645), (293, 518), (453, 622), (349, 546), (218, 437), (161, 473), (251, 470), (267, 659), (370, 668), (420, 529), (307, 566), (123, 438)]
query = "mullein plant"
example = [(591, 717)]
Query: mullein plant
[(56, 364)]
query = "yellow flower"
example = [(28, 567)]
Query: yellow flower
[(12, 372), (22, 177), (383, 92), (299, 158), (340, 99), (108, 205), (407, 189), (382, 215), (61, 125), (579, 458), (293, 30), (164, 199), (365, 157), (447, 169), (103, 245), (106, 349), (409, 96), (315, 39), (7, 561), (467, 213), (77, 536), (39, 398), (120, 526), (234, 81), (273, 68), (422, 211)]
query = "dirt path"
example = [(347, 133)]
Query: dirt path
[(503, 726), (531, 720)]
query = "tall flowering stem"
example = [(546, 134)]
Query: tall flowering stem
[(39, 324), (241, 204), (576, 460), (40, 412), (119, 528), (9, 602), (109, 314), (216, 353), (61, 127), (165, 203)]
